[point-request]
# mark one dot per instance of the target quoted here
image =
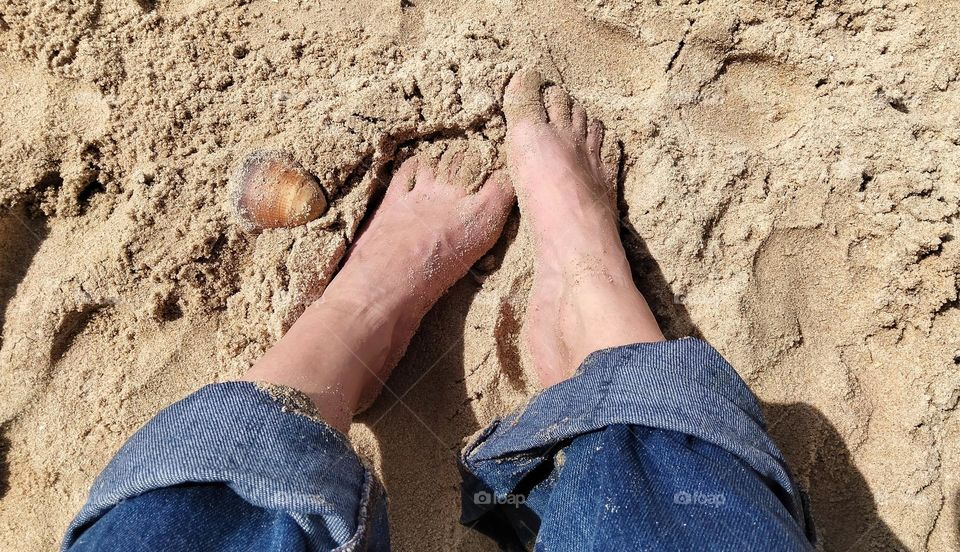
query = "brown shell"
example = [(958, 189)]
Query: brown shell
[(272, 190)]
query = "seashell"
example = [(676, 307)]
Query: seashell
[(272, 190)]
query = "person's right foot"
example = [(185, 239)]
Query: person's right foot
[(583, 297)]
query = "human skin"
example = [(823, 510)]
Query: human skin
[(429, 230)]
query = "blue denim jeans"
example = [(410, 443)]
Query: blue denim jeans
[(648, 447)]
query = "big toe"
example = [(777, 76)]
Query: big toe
[(522, 99)]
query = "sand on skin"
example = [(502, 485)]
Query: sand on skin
[(789, 192)]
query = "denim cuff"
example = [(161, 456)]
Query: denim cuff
[(236, 434), (680, 385)]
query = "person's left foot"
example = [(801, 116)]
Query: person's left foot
[(426, 234)]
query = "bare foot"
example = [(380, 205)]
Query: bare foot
[(424, 237), (583, 298)]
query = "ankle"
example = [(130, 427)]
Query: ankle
[(372, 303), (607, 313), (592, 244), (334, 353)]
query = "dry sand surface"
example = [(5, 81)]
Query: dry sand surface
[(789, 192)]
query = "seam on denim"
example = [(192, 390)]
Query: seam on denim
[(362, 512), (604, 390), (482, 438)]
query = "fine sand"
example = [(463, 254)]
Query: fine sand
[(789, 191)]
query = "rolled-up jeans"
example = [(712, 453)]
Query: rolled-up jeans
[(657, 446)]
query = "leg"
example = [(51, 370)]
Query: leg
[(235, 467), (651, 444), (423, 238), (583, 297)]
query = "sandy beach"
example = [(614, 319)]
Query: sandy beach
[(789, 191)]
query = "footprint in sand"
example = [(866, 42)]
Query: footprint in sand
[(754, 102)]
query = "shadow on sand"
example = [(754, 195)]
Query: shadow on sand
[(20, 239), (4, 468), (420, 427), (844, 509)]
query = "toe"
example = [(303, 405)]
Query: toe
[(611, 156), (426, 172), (578, 120), (456, 167), (404, 178), (558, 106), (522, 100), (595, 136), (494, 200), (450, 162)]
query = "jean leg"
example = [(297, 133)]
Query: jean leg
[(648, 447), (635, 488), (228, 466)]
